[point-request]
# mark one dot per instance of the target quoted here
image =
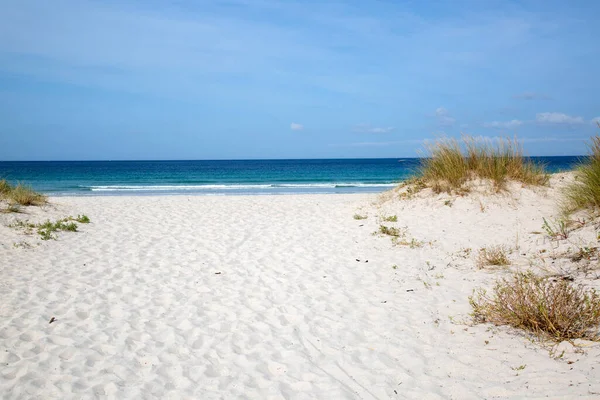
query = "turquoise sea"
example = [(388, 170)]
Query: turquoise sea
[(222, 176)]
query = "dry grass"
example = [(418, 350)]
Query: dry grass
[(5, 188), (21, 194), (584, 193), (548, 307), (492, 256), (451, 164)]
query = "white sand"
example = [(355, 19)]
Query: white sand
[(262, 297)]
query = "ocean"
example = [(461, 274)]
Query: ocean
[(222, 177)]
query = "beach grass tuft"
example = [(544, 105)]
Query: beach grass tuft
[(5, 188), (452, 163), (21, 194), (584, 192), (551, 308), (492, 256)]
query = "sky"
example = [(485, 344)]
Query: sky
[(252, 79)]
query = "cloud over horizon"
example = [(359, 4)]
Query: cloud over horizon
[(558, 118), (515, 123)]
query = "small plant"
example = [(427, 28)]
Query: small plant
[(584, 253), (412, 243), (46, 229), (548, 307), (493, 255), (448, 203), (557, 230), (389, 230), (84, 219), (391, 218), (413, 186), (46, 234), (25, 225), (394, 266)]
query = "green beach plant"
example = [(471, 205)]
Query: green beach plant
[(556, 230), (83, 219), (46, 229), (359, 216)]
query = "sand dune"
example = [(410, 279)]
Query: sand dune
[(271, 297)]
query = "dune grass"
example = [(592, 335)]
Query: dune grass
[(551, 308), (584, 193), (452, 163), (21, 194), (5, 188), (492, 256)]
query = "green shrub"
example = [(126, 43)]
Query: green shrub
[(548, 307)]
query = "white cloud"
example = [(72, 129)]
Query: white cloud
[(296, 127), (366, 128), (443, 117), (515, 123), (557, 118)]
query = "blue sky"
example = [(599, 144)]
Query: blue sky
[(129, 79)]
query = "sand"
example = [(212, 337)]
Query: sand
[(279, 297)]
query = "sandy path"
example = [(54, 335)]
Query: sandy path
[(252, 297)]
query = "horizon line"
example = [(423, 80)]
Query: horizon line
[(257, 159)]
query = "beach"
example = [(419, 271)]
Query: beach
[(280, 297)]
